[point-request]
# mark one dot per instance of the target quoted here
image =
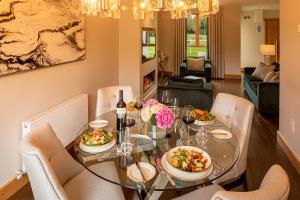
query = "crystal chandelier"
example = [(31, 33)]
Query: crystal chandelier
[(144, 9), (208, 7)]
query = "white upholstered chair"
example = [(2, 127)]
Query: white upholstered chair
[(108, 97), (236, 113), (54, 175), (275, 186)]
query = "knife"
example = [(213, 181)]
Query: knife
[(143, 176)]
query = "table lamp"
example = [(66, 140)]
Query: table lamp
[(268, 51)]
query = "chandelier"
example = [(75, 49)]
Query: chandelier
[(144, 9)]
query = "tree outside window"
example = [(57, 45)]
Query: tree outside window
[(197, 36)]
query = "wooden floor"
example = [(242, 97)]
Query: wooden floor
[(263, 149)]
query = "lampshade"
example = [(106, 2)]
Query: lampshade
[(268, 50), (208, 7)]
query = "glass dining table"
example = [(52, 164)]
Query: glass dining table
[(112, 166)]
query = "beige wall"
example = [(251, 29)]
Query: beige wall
[(166, 38), (29, 93), (251, 39), (231, 38), (289, 74)]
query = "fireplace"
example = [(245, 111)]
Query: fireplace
[(149, 80)]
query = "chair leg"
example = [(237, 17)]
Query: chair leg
[(244, 181)]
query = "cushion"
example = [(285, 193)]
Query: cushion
[(272, 77), (196, 63), (262, 70), (178, 81)]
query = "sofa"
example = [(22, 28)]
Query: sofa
[(206, 73), (189, 92), (264, 95)]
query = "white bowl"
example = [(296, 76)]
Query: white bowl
[(180, 174), (97, 124), (97, 149)]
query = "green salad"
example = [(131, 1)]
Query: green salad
[(96, 138)]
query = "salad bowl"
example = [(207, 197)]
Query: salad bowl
[(203, 118), (187, 163), (96, 141)]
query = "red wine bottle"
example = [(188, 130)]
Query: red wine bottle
[(121, 112)]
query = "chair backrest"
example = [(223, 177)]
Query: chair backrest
[(108, 97), (275, 186), (236, 113), (48, 164)]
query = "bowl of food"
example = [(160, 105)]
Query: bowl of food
[(130, 107), (187, 163), (97, 141), (203, 117)]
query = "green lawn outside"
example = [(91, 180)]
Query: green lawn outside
[(149, 51), (196, 51)]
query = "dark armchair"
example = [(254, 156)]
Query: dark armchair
[(189, 92), (184, 71)]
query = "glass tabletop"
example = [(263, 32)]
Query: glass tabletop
[(112, 166)]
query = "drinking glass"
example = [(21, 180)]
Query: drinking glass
[(188, 118), (202, 137), (138, 102), (166, 97), (126, 145), (175, 107)]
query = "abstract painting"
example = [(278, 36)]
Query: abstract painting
[(40, 33)]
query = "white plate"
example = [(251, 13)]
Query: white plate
[(221, 134), (98, 124), (205, 123), (182, 175), (97, 149), (135, 175)]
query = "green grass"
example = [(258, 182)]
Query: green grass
[(149, 51), (194, 51)]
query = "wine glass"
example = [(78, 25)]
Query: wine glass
[(166, 97), (175, 106), (188, 118), (138, 102)]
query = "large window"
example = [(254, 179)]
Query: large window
[(197, 36)]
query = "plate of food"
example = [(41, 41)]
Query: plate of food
[(203, 117), (97, 141), (187, 163), (130, 107)]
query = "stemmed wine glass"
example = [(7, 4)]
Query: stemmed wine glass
[(175, 106), (188, 118), (138, 102), (166, 97)]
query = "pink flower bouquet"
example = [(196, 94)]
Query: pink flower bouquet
[(157, 114)]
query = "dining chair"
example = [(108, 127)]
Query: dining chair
[(275, 186), (55, 175), (236, 113), (108, 97)]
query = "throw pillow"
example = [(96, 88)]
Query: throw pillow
[(276, 78), (262, 70), (196, 63), (269, 76)]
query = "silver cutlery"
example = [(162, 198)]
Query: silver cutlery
[(142, 175), (161, 171)]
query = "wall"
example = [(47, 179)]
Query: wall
[(231, 38), (166, 38), (289, 74), (26, 94), (251, 39)]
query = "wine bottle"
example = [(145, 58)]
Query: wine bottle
[(121, 112)]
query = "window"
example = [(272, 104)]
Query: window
[(197, 36)]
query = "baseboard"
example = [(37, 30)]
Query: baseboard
[(233, 76), (293, 158), (12, 187)]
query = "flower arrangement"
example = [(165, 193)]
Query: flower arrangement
[(157, 114)]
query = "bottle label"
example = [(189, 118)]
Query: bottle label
[(121, 111)]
